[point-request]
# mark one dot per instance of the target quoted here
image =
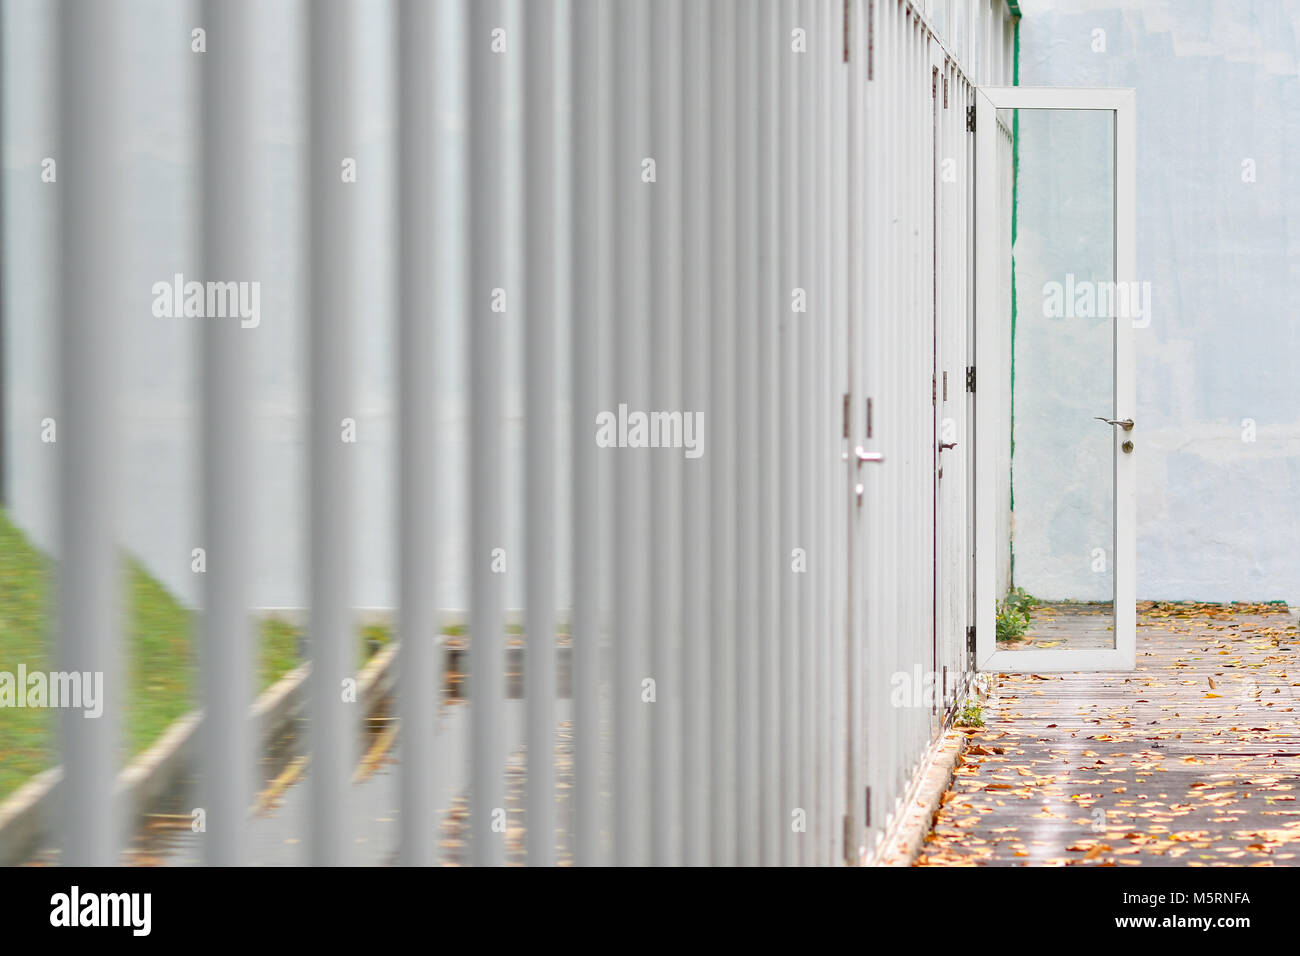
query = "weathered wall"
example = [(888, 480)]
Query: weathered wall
[(1218, 87), (1219, 126)]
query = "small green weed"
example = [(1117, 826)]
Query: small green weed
[(1013, 615)]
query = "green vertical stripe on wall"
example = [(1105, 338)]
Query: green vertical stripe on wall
[(1015, 183)]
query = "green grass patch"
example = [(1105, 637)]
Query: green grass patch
[(25, 735), (160, 659), (277, 651), (160, 663), (161, 669)]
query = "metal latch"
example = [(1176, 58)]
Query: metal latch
[(863, 456)]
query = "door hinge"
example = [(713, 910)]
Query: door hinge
[(848, 848), (970, 638), (871, 41), (846, 31), (867, 815), (970, 378), (970, 119), (846, 415), (934, 391)]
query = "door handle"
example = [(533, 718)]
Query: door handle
[(863, 456), (946, 445), (1125, 423)]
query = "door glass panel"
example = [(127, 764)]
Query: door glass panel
[(1058, 587)]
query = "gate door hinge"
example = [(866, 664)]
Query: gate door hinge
[(970, 638), (970, 378), (846, 31), (970, 119)]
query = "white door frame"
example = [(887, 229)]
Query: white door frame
[(990, 416)]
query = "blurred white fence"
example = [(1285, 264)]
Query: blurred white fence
[(760, 214)]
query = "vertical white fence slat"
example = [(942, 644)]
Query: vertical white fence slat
[(813, 425), (788, 71), (666, 325), (770, 564), (697, 821), (722, 445), (420, 320), (748, 461), (628, 205), (585, 260), (841, 76), (832, 523), (487, 297), (801, 448), (228, 208), (853, 426), (540, 262), (333, 410), (88, 638)]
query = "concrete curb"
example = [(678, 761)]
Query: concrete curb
[(24, 815), (903, 839), (378, 678)]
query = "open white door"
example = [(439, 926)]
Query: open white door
[(1056, 443)]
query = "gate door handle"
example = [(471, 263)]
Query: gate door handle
[(1125, 423), (863, 456)]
